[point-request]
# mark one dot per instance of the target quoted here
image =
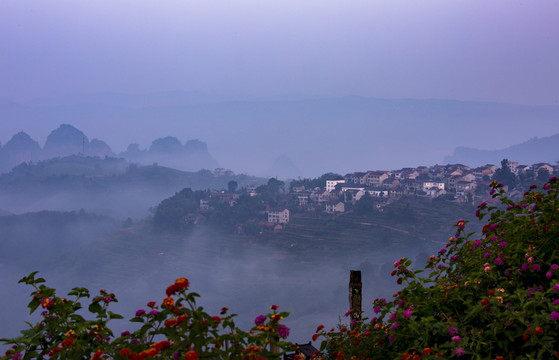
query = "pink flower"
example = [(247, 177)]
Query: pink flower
[(260, 319), (407, 313), (460, 352), (456, 338), (392, 317), (503, 244), (554, 316), (140, 312), (452, 331), (394, 326), (486, 255), (154, 312), (556, 287), (554, 267), (548, 274), (477, 243), (376, 309), (283, 331)]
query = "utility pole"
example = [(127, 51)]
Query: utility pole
[(355, 296)]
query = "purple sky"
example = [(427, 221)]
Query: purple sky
[(499, 50)]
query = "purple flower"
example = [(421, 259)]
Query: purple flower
[(477, 243), (154, 312), (454, 257), (442, 251), (392, 317), (524, 267), (283, 331), (374, 320), (499, 261), (486, 255), (17, 356), (394, 326), (347, 313), (124, 333), (391, 338), (494, 238), (554, 316), (135, 341), (259, 320), (140, 312), (452, 331), (176, 355), (460, 352), (548, 275), (556, 302), (503, 244), (536, 267), (376, 309), (556, 287), (554, 267), (456, 338)]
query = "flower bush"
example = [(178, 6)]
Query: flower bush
[(175, 329), (494, 297)]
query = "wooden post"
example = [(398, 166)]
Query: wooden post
[(355, 296)]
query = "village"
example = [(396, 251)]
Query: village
[(454, 182)]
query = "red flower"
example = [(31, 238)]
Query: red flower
[(538, 331), (320, 327)]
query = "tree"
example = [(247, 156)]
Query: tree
[(489, 297), (232, 186), (504, 175), (365, 205)]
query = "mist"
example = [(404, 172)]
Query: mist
[(97, 252)]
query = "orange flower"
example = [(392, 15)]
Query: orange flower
[(191, 355), (182, 283), (168, 302), (320, 327), (170, 323), (427, 350), (538, 331)]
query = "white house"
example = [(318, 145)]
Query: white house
[(439, 185), (331, 184), (278, 216), (334, 206)]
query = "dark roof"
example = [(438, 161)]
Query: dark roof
[(307, 349)]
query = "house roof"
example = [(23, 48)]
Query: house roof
[(307, 349)]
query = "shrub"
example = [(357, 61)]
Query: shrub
[(174, 329), (493, 297)]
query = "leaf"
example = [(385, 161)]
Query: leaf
[(95, 308), (112, 315)]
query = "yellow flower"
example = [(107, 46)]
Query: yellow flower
[(499, 299)]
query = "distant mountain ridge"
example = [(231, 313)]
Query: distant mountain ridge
[(323, 133), (535, 150), (67, 140)]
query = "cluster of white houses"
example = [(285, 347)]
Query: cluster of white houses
[(458, 180)]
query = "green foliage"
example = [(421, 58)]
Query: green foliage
[(365, 205), (495, 297), (504, 175), (172, 213), (176, 328)]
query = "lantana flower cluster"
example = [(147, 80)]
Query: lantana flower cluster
[(175, 328)]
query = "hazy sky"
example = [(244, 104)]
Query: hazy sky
[(498, 50)]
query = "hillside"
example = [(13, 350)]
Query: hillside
[(535, 150)]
